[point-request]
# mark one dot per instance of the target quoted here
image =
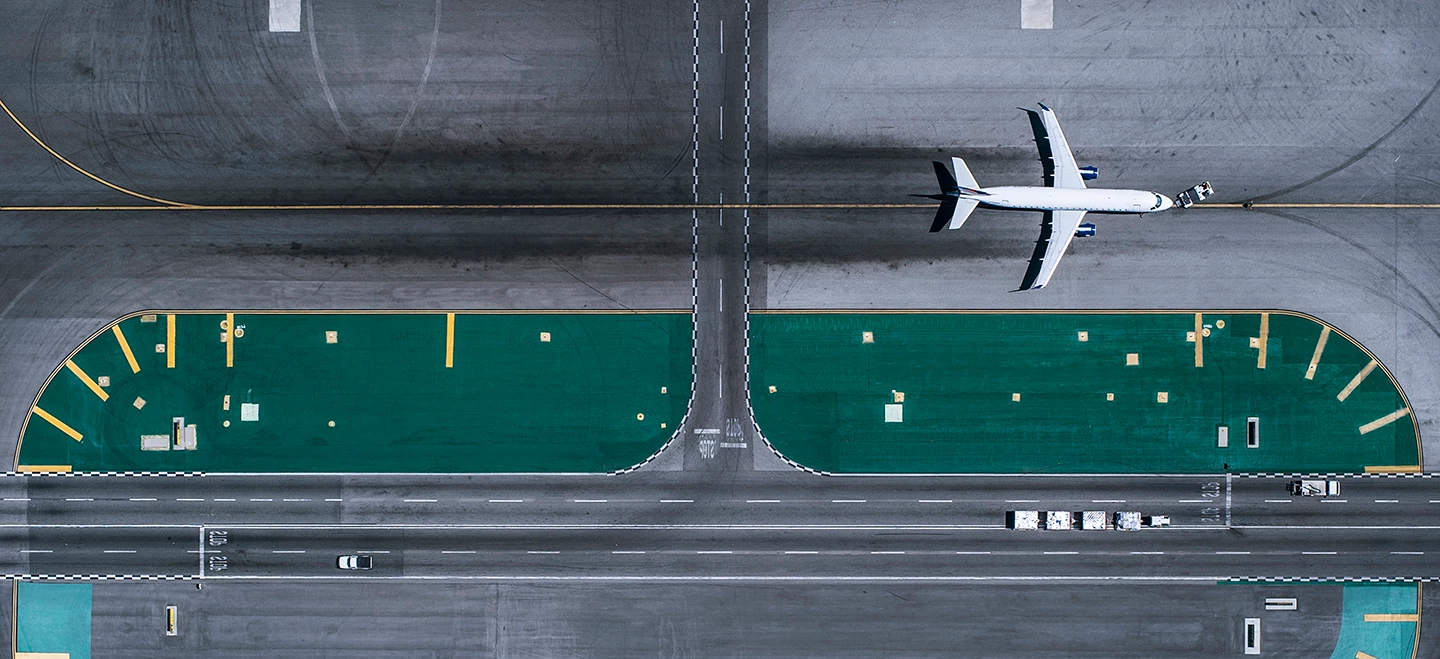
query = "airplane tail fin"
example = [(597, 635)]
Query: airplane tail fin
[(953, 210)]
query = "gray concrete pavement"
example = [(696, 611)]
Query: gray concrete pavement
[(238, 619)]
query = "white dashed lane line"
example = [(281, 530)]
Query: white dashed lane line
[(200, 500), (18, 499), (294, 499), (1408, 553), (37, 551), (1147, 553), (626, 552), (762, 501), (807, 553), (119, 551), (973, 553), (1233, 553), (421, 500), (334, 500), (542, 552), (1196, 501), (469, 551), (262, 499), (287, 551), (887, 553), (1022, 501), (507, 501), (1387, 501), (1334, 501), (79, 499), (224, 499), (591, 500), (715, 551), (141, 499), (1277, 501), (847, 501), (677, 501), (936, 501), (1107, 501), (1318, 553)]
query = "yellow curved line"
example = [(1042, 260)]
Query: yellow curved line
[(97, 179)]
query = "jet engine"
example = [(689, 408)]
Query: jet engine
[(1085, 230), (1089, 173)]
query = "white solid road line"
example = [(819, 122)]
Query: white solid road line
[(421, 500), (467, 551)]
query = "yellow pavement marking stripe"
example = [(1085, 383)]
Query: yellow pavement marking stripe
[(1199, 341), (1355, 381), (125, 348), (229, 340), (170, 340), (42, 655), (86, 379), (179, 206), (36, 468), (80, 169), (1385, 420), (1264, 338), (1363, 655), (1393, 469), (1392, 617), (58, 423), (449, 340), (1319, 348)]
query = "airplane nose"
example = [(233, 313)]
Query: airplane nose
[(1166, 203)]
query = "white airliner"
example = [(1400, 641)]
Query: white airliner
[(1064, 198)]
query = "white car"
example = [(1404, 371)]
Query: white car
[(354, 562)]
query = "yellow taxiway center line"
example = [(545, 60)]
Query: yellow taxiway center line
[(1364, 655), (125, 348), (1199, 341), (40, 468), (1385, 420), (1319, 348), (449, 340), (42, 655), (169, 340), (74, 434), (1393, 469), (1355, 381), (1392, 617), (85, 378), (229, 340), (1264, 338)]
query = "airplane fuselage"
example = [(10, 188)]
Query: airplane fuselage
[(1096, 200)]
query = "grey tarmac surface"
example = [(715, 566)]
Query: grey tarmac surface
[(239, 619)]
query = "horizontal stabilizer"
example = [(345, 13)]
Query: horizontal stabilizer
[(953, 212)]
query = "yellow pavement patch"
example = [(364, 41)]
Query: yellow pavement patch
[(1385, 420), (1364, 655), (42, 655), (1199, 341), (449, 340), (229, 340), (1393, 469), (1263, 339), (170, 340), (1355, 381), (86, 379), (1319, 348), (125, 348), (42, 468), (75, 435), (1392, 617)]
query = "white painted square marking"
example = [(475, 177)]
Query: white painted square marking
[(284, 15), (1036, 14)]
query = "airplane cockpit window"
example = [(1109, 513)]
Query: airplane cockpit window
[(1158, 202)]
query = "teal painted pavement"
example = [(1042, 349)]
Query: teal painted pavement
[(1057, 393), (54, 618), (1382, 640)]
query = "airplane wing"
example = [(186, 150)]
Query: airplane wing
[(1056, 232), (1060, 168)]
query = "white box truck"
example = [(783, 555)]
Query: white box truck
[(1022, 520)]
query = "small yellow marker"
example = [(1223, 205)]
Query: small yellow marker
[(1319, 349), (1084, 336), (662, 426), (898, 395), (139, 403), (1392, 617), (125, 348), (84, 378), (640, 417), (230, 344), (1385, 420), (1355, 381), (1015, 397), (148, 318), (1219, 324), (74, 434), (1132, 359), (1162, 397), (867, 337), (1263, 339), (544, 337), (449, 342), (1110, 397), (225, 403), (170, 340), (772, 388), (332, 336)]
